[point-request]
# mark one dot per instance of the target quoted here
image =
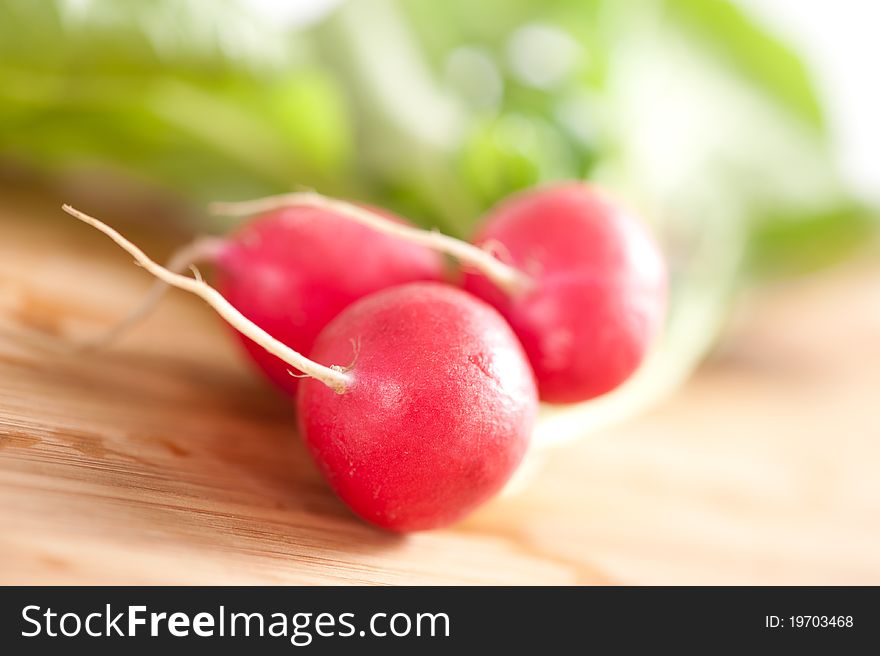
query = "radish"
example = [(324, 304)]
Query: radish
[(582, 283), (439, 412), (430, 412), (597, 292), (293, 269)]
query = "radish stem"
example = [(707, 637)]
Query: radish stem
[(508, 278), (334, 377)]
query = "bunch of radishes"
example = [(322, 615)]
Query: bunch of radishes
[(419, 396)]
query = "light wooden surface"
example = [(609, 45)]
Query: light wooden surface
[(166, 460)]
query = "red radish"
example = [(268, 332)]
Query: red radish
[(292, 270), (432, 413), (597, 297), (439, 412), (583, 286)]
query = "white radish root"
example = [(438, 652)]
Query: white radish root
[(335, 377), (508, 278), (200, 249)]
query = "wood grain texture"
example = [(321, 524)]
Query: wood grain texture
[(166, 460)]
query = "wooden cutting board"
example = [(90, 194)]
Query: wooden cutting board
[(167, 460)]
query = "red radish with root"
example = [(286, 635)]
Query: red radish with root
[(431, 411), (293, 269), (440, 409), (583, 285)]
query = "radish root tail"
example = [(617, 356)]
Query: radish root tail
[(510, 279), (200, 249), (332, 377)]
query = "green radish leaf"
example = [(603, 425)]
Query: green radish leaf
[(753, 52), (790, 244)]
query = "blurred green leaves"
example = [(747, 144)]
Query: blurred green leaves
[(807, 241), (756, 55), (204, 99), (688, 108)]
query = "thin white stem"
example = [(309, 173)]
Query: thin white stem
[(199, 250), (334, 377), (508, 278)]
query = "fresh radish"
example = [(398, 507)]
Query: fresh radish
[(428, 411), (439, 411), (581, 282), (293, 269), (597, 293)]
